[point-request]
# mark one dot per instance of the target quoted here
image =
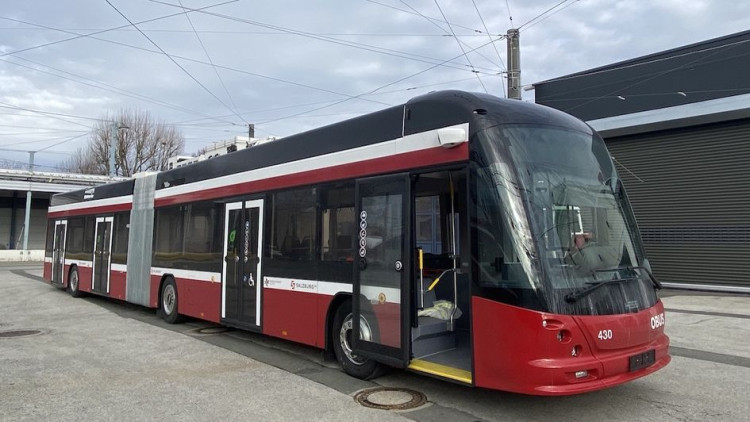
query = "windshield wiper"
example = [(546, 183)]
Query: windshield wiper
[(594, 285), (651, 277)]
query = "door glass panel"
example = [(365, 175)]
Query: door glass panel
[(380, 268), (58, 253), (250, 267), (101, 255), (231, 260)]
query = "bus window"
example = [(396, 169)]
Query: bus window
[(291, 243), (338, 226)]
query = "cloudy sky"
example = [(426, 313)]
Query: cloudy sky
[(210, 67)]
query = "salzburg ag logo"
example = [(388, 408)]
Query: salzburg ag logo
[(292, 284)]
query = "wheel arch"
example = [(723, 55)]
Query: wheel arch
[(338, 300)]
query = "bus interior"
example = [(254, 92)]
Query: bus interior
[(441, 323)]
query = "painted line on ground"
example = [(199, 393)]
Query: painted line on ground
[(710, 356), (718, 314)]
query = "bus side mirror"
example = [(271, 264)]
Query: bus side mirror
[(450, 137)]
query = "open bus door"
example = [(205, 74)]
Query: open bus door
[(381, 285)]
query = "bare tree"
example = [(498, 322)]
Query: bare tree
[(142, 144)]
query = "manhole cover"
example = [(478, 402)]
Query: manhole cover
[(19, 333), (212, 330), (390, 398)]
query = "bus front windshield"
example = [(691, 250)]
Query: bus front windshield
[(565, 220)]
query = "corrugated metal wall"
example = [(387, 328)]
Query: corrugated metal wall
[(693, 200)]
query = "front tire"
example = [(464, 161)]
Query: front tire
[(74, 283), (356, 366), (168, 302)]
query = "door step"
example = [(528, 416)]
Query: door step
[(431, 336), (444, 371)]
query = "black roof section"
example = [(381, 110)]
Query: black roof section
[(698, 72), (427, 112)]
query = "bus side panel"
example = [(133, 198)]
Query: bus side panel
[(155, 284), (85, 277), (324, 304), (292, 316), (47, 271), (117, 284), (199, 299)]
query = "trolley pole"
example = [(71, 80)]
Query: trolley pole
[(514, 65)]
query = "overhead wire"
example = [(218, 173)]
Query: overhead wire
[(481, 18), (104, 86), (106, 30), (427, 17), (370, 91), (208, 56), (173, 60), (510, 15), (205, 31), (461, 47), (542, 14), (656, 75), (552, 14), (352, 44), (246, 72), (49, 113), (448, 33)]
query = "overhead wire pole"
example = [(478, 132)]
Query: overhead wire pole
[(514, 65)]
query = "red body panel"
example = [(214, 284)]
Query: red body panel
[(388, 317), (47, 271), (117, 284), (293, 316), (514, 351), (199, 299), (85, 278), (104, 209), (155, 284)]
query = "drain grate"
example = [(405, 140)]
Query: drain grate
[(211, 330), (19, 333), (390, 398)]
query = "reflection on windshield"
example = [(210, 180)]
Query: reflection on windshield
[(577, 222)]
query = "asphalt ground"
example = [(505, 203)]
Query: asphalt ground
[(101, 359)]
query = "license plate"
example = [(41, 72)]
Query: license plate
[(642, 360)]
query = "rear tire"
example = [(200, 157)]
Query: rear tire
[(168, 302), (74, 283), (356, 366)]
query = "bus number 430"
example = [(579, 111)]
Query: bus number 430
[(605, 335)]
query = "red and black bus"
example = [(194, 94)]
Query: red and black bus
[(481, 240)]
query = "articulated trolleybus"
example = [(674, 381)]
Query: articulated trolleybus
[(484, 241)]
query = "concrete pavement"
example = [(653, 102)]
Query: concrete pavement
[(92, 364), (102, 359)]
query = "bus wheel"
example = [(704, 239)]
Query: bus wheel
[(356, 366), (168, 303), (73, 281)]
